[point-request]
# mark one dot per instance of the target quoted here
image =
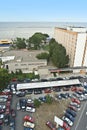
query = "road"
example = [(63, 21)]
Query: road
[(81, 119)]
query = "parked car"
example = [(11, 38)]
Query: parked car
[(1, 116), (65, 126), (2, 106), (29, 124), (29, 118), (6, 119), (0, 127), (67, 120), (69, 116), (27, 128), (47, 91), (12, 122), (60, 128), (38, 91), (75, 100), (72, 107), (42, 99), (75, 104), (51, 125), (30, 100), (1, 121), (71, 112), (3, 99), (13, 113), (30, 109), (12, 127), (7, 111)]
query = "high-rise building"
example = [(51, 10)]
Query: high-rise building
[(74, 39)]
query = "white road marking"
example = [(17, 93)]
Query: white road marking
[(80, 116)]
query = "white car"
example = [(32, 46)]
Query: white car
[(68, 121), (30, 109), (1, 116), (29, 124), (30, 101), (2, 106), (75, 104)]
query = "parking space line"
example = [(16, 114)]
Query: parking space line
[(80, 116)]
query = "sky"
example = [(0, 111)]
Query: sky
[(43, 10)]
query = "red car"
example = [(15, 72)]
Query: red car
[(2, 110), (65, 126), (29, 118), (7, 111), (76, 100), (51, 125), (8, 103), (47, 91), (72, 107)]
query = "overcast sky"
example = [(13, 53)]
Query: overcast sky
[(43, 10)]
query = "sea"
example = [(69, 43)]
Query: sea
[(12, 30)]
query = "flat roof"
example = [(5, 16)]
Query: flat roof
[(47, 84), (24, 55)]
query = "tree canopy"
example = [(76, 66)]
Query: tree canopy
[(43, 55), (20, 43), (36, 40), (58, 54)]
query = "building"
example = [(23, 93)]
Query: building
[(74, 39), (5, 44), (24, 60)]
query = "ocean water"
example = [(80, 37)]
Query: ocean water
[(11, 30)]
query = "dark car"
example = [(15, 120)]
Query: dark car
[(63, 95), (23, 104), (0, 127), (73, 113), (37, 91), (13, 113), (42, 99), (12, 122), (1, 121), (70, 117), (12, 127), (26, 128), (6, 119)]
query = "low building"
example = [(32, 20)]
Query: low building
[(24, 60)]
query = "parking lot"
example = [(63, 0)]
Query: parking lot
[(46, 111)]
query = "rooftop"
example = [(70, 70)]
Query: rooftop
[(23, 55)]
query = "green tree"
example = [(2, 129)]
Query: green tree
[(49, 99), (4, 78), (58, 54), (37, 103), (20, 43), (43, 55), (36, 40)]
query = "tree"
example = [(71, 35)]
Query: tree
[(37, 103), (4, 78), (48, 99), (36, 40), (43, 55), (20, 43), (57, 54)]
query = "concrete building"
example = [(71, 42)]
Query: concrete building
[(74, 39), (24, 60)]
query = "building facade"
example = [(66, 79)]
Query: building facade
[(74, 39), (15, 60)]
